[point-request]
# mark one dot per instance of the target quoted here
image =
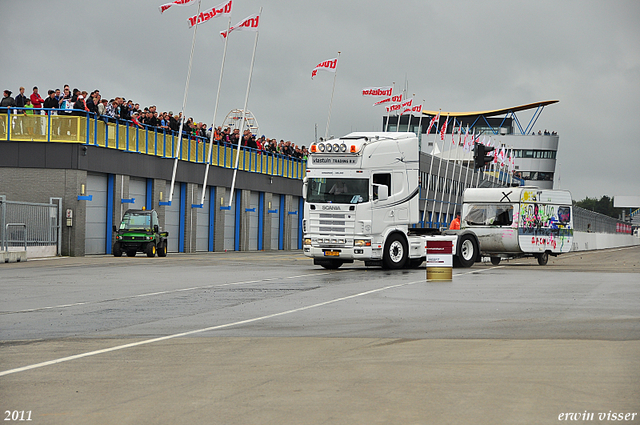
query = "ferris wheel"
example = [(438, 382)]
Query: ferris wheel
[(233, 120)]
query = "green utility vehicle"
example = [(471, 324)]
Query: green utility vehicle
[(139, 232)]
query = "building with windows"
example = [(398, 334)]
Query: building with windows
[(533, 149)]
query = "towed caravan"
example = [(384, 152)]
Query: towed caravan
[(519, 221)]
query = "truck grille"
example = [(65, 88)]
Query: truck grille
[(338, 223)]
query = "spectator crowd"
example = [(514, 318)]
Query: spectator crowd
[(81, 103)]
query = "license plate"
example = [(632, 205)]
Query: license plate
[(331, 253)]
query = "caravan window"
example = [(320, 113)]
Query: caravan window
[(489, 215)]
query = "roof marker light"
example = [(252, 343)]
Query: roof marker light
[(353, 148)]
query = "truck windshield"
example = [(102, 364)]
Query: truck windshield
[(338, 191), (136, 221), (489, 215)]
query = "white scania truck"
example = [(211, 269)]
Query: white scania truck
[(361, 197)]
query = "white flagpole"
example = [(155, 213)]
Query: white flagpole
[(184, 105), (420, 129), (435, 191), (215, 112), (244, 112), (393, 88), (446, 171), (453, 172), (466, 173), (457, 155), (424, 213), (335, 75)]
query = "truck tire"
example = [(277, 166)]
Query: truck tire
[(151, 249), (543, 258), (467, 251), (395, 252), (162, 249), (329, 264), (495, 260), (414, 263), (117, 251)]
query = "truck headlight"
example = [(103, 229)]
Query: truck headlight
[(362, 242), (306, 241)]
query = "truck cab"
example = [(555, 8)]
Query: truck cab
[(361, 195)]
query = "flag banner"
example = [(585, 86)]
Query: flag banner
[(328, 65), (392, 99), (250, 23), (176, 3), (377, 91), (223, 9), (400, 106), (444, 129), (416, 108), (432, 122)]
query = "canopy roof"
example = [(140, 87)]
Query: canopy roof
[(493, 112)]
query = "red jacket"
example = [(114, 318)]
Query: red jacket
[(36, 100)]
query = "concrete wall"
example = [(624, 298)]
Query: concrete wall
[(583, 241)]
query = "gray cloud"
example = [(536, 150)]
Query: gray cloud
[(459, 55)]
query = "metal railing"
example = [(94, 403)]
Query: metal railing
[(590, 221), (60, 126), (40, 221)]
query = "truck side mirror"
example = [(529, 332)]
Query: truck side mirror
[(115, 229), (156, 229), (304, 189), (380, 192)]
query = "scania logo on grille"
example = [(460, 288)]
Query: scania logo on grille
[(331, 207)]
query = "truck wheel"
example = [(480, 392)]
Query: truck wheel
[(117, 251), (495, 260), (131, 253), (395, 252), (414, 263), (543, 258), (162, 249), (329, 264), (466, 251), (151, 249)]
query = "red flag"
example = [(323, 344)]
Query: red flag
[(433, 121), (444, 128), (223, 9), (328, 65), (250, 23), (176, 3)]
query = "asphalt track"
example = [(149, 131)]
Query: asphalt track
[(267, 338)]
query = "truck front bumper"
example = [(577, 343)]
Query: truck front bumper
[(345, 253)]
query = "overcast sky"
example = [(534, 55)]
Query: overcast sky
[(457, 55)]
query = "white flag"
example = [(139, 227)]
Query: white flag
[(176, 3), (223, 9), (377, 91), (250, 23), (392, 99), (328, 65)]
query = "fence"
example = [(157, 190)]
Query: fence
[(57, 126), (590, 221), (33, 224)]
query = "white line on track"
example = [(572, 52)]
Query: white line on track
[(151, 294), (217, 327)]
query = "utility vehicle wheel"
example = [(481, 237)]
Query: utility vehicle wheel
[(131, 253), (466, 254), (151, 249), (117, 250), (543, 258), (495, 260), (395, 252), (162, 249)]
